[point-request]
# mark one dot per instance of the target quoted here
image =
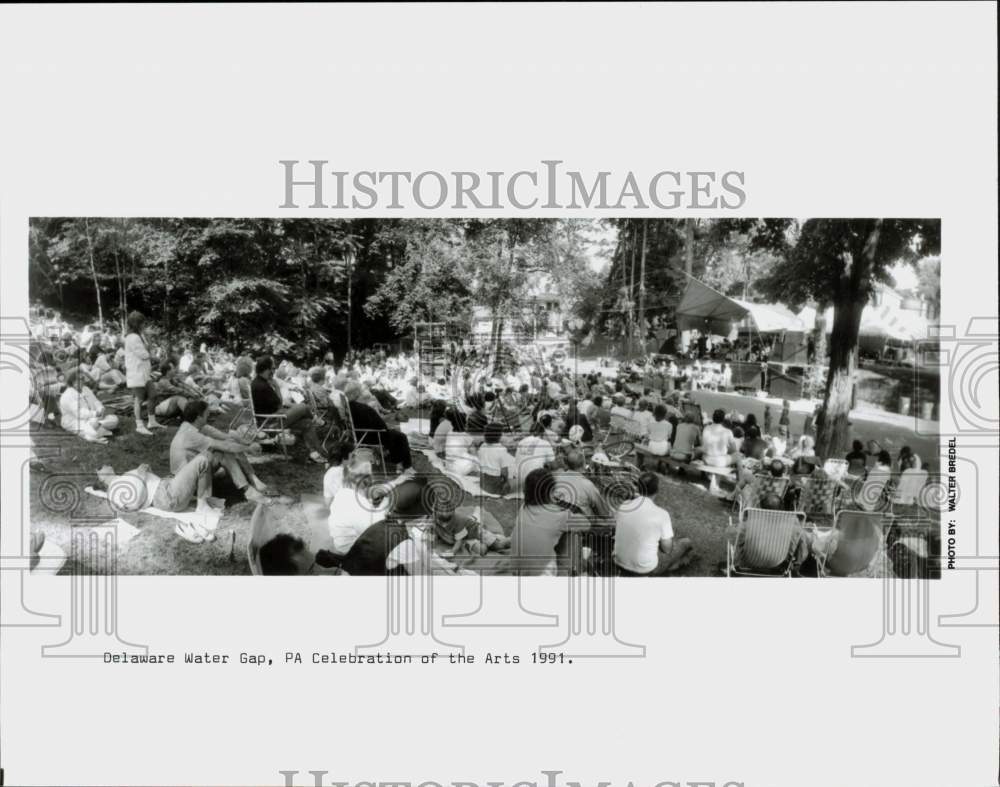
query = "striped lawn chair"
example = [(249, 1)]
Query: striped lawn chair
[(765, 543)]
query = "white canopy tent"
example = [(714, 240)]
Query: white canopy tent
[(898, 325), (704, 309)]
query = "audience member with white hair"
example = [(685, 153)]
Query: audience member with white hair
[(82, 413)]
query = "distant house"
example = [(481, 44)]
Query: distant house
[(541, 317)]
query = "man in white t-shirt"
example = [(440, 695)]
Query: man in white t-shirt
[(645, 545)]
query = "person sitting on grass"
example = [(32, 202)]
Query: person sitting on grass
[(171, 393), (577, 492), (779, 443), (600, 416), (645, 545), (82, 413), (476, 419), (541, 540), (195, 436), (267, 401), (576, 417), (453, 532), (460, 453), (285, 555), (360, 502), (754, 446), (496, 465)]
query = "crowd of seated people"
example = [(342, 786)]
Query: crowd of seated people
[(526, 418)]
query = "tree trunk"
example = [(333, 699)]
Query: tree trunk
[(642, 291), (93, 272), (834, 433), (350, 273), (631, 297), (688, 246), (850, 298)]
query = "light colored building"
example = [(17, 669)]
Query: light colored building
[(541, 317)]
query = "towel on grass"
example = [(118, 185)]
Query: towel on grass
[(208, 521)]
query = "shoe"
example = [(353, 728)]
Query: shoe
[(188, 533), (317, 458), (154, 425), (140, 429)]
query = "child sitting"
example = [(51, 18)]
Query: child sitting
[(455, 532)]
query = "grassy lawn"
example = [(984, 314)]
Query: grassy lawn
[(60, 508)]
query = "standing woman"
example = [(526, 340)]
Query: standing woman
[(139, 373)]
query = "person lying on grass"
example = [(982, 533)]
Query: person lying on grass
[(141, 488), (195, 436)]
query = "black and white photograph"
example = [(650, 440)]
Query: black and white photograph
[(622, 397), (499, 394)]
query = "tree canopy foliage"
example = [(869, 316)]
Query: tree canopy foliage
[(299, 286)]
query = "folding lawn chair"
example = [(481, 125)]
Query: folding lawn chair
[(272, 425), (322, 416), (860, 541), (818, 498), (365, 437), (874, 492), (765, 543), (762, 485)]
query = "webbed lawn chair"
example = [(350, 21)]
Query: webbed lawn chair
[(762, 485), (818, 498)]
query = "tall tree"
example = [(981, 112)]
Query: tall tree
[(841, 261)]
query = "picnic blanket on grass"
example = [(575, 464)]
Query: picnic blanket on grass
[(469, 483)]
